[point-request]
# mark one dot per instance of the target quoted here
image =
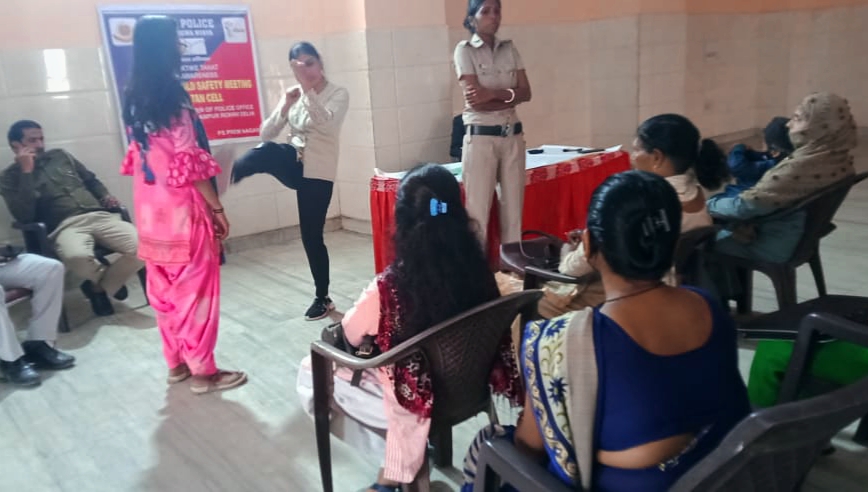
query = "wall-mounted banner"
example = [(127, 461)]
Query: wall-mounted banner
[(218, 66)]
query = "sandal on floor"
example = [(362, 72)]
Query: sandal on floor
[(384, 488), (181, 376), (219, 381)]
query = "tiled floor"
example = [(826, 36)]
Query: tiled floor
[(111, 424)]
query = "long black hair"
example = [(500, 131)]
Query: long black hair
[(440, 269), (777, 137), (634, 221), (154, 95), (677, 138)]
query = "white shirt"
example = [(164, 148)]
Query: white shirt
[(315, 122)]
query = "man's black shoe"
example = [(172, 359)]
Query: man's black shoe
[(44, 356), (19, 373)]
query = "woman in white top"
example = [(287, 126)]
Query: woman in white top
[(314, 110), (670, 146)]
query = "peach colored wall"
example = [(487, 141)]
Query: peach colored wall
[(403, 13), (561, 11), (74, 23)]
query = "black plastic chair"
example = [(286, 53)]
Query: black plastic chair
[(690, 252), (820, 208), (457, 144), (525, 258), (36, 241), (784, 325), (770, 450), (517, 258), (775, 448), (459, 351)]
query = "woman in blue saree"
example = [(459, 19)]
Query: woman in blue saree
[(629, 395)]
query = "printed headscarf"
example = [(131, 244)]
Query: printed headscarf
[(822, 156)]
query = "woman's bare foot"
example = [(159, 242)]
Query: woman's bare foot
[(219, 381), (178, 374)]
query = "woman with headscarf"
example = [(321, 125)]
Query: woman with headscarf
[(823, 133)]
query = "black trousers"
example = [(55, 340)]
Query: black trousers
[(313, 195)]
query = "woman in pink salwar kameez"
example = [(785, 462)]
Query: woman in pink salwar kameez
[(178, 214)]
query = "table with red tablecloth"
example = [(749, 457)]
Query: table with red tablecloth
[(556, 198)]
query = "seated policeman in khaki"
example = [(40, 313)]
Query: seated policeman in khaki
[(52, 187)]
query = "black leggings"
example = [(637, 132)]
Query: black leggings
[(314, 196)]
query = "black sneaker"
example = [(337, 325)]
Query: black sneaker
[(19, 373), (319, 309)]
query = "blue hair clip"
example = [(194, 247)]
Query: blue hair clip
[(438, 207)]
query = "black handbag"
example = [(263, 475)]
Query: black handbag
[(549, 257), (333, 335)]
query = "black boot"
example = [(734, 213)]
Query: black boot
[(44, 356), (99, 301), (122, 293), (20, 373)]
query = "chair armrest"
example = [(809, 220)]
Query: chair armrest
[(35, 238), (551, 276), (389, 357), (30, 227), (412, 345), (345, 359), (500, 461), (727, 222), (812, 327)]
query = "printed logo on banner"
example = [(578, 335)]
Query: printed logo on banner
[(121, 30), (194, 46), (234, 29), (218, 62)]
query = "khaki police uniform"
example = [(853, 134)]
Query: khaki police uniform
[(489, 160)]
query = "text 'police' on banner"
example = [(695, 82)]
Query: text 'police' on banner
[(218, 64)]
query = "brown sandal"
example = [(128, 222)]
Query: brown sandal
[(183, 374), (219, 381)]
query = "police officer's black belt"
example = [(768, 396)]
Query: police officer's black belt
[(494, 131)]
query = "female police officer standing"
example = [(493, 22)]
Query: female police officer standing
[(494, 81)]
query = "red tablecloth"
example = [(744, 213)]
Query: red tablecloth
[(556, 199)]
